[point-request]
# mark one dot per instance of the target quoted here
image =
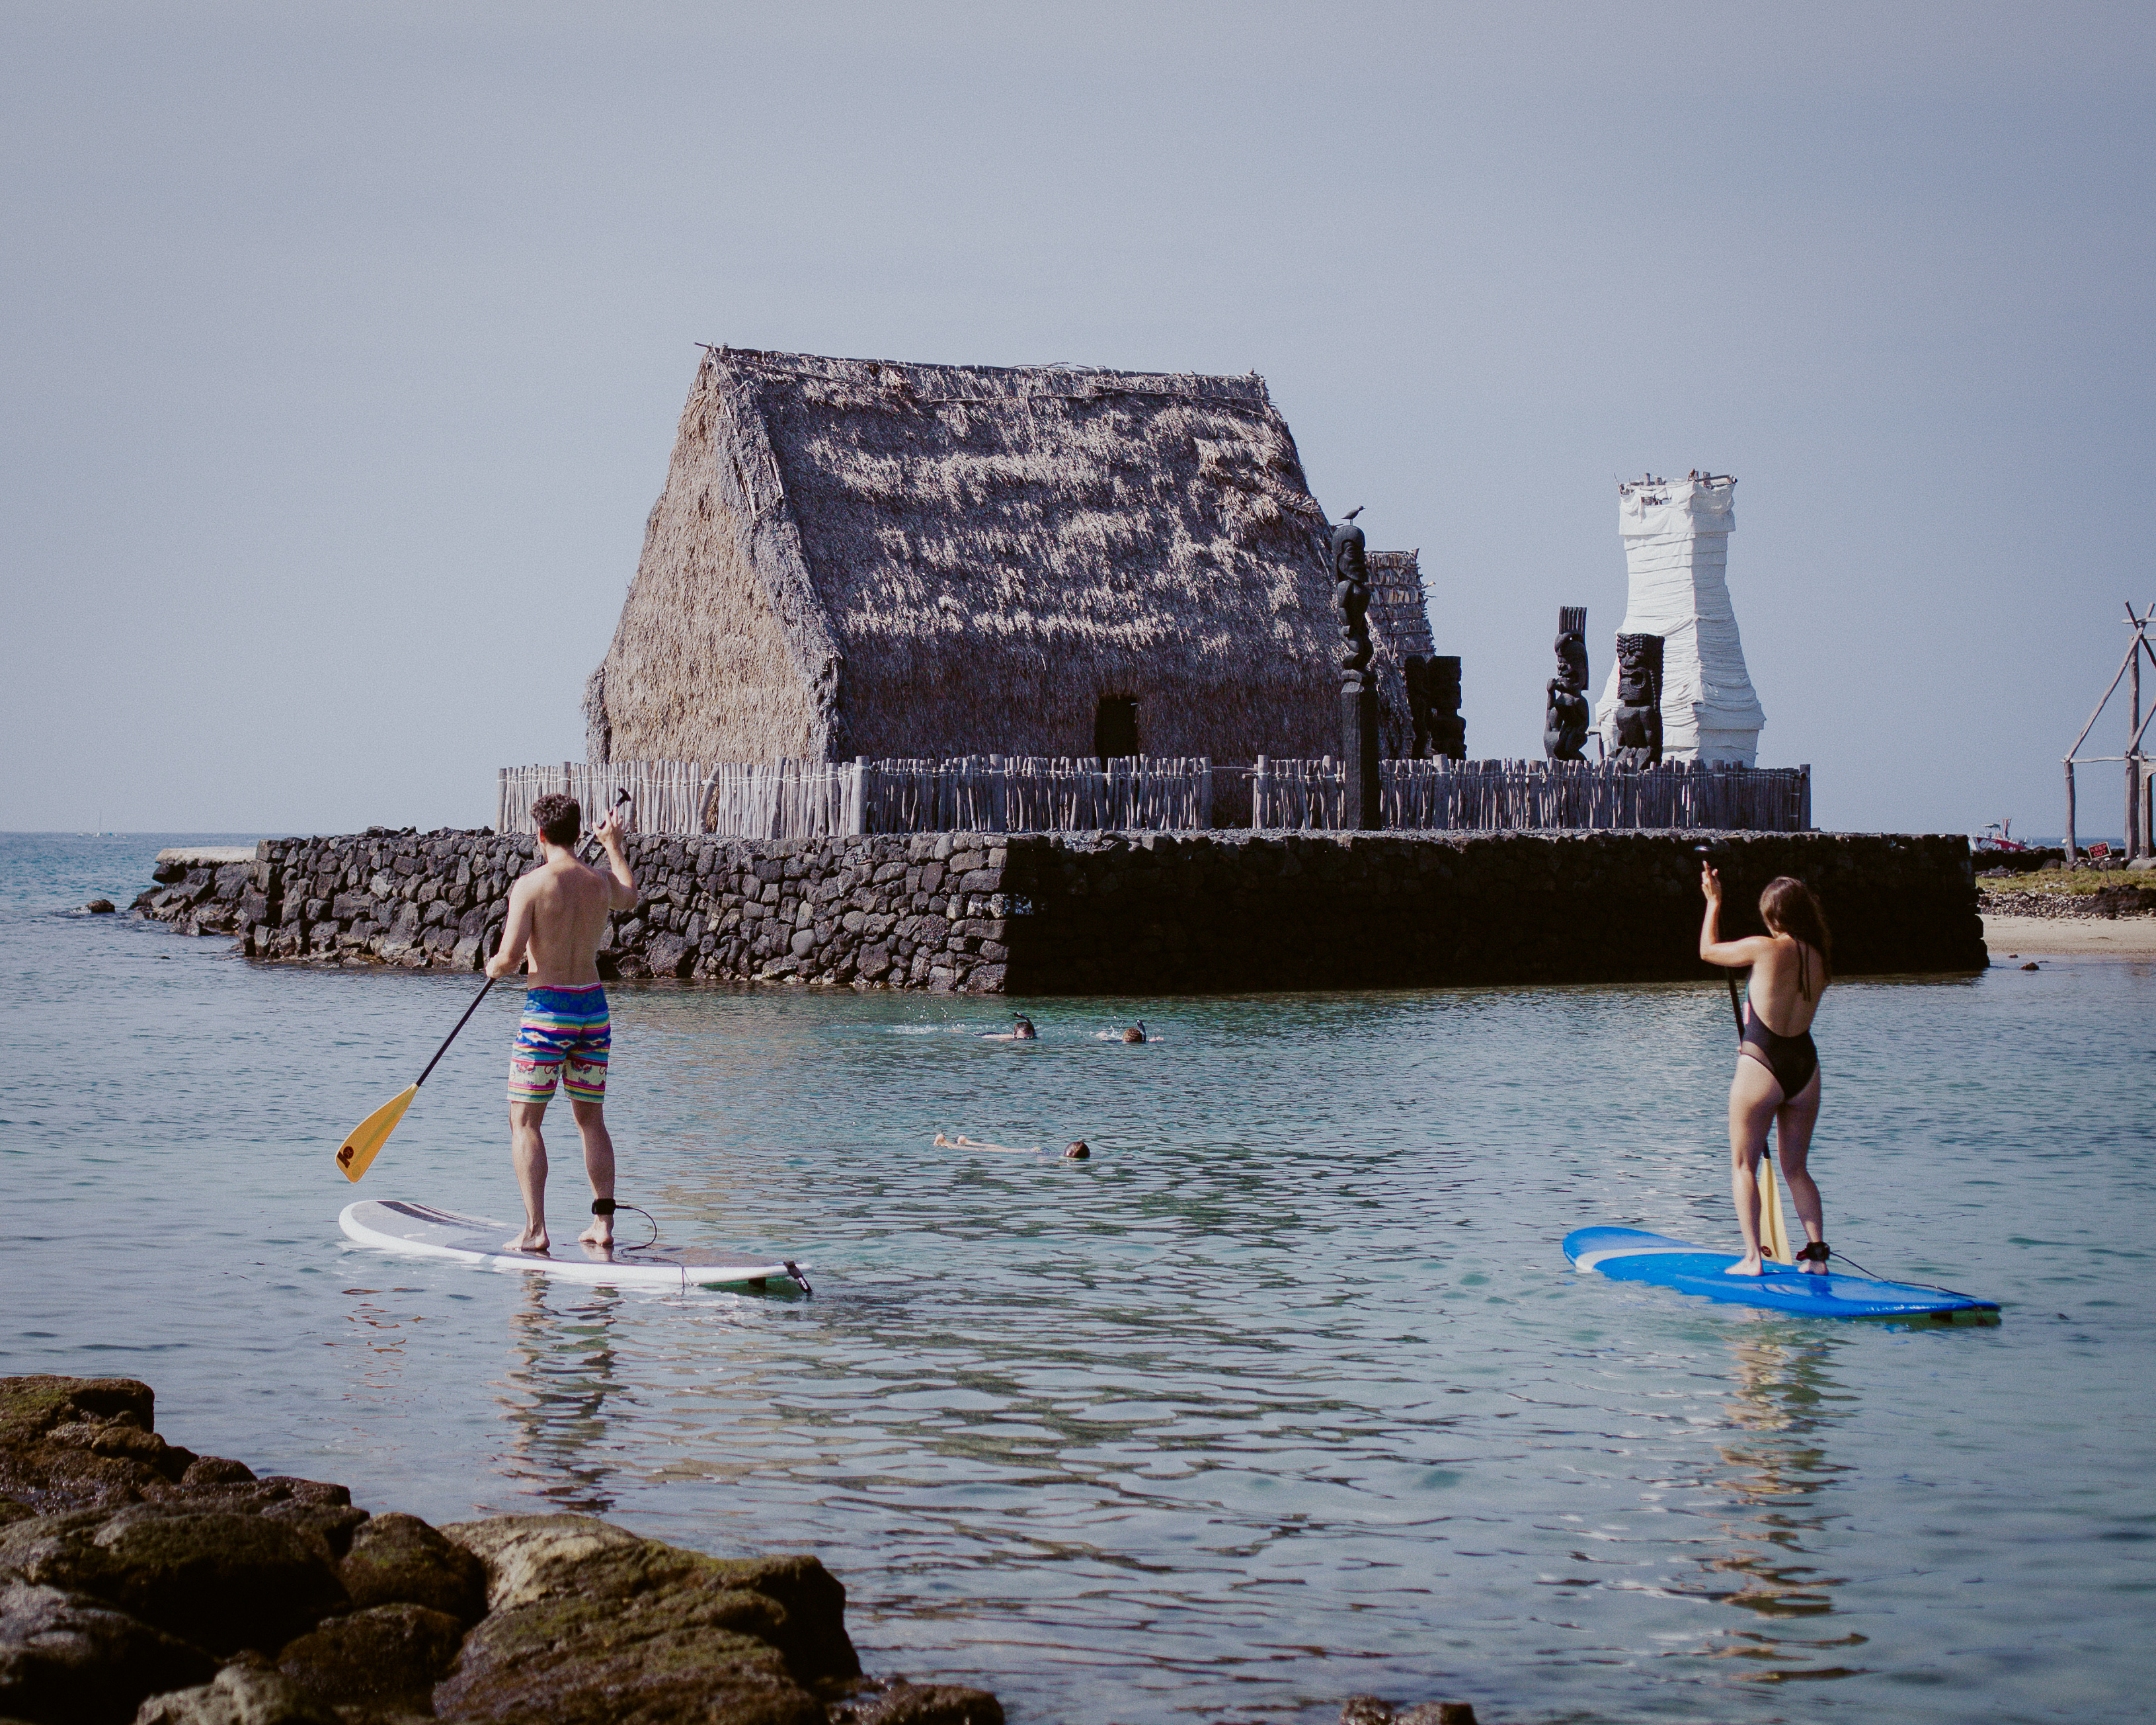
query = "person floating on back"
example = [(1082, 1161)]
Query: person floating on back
[(557, 915), (1777, 1077), (1078, 1151)]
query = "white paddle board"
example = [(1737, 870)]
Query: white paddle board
[(393, 1225)]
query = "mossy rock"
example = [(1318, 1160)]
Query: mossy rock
[(80, 1443), (398, 1559), (238, 1695), (69, 1659), (222, 1580), (587, 1623), (901, 1702), (386, 1655)]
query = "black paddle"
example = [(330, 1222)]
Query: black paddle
[(1707, 853), (357, 1153)]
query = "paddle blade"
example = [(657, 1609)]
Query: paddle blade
[(366, 1139), (1773, 1230)]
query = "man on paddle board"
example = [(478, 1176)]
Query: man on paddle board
[(557, 915)]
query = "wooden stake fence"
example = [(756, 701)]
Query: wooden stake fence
[(1037, 793), (1518, 796), (797, 800), (1015, 794), (663, 794)]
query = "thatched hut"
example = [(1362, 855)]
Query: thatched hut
[(1399, 631), (1399, 610), (853, 557)]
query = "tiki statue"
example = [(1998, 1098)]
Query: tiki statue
[(1565, 719), (1358, 695), (1415, 674), (1351, 604), (1639, 715), (1448, 730)]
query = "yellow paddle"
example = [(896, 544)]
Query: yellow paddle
[(368, 1136), (1774, 1230)]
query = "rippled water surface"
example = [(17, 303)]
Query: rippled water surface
[(1288, 1394)]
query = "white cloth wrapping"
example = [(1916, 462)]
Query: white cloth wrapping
[(1676, 557)]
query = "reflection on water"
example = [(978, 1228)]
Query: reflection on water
[(1288, 1394), (556, 1396), (1785, 1409)]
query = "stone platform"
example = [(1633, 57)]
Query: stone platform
[(1107, 912)]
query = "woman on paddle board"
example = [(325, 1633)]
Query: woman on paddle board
[(1777, 1081)]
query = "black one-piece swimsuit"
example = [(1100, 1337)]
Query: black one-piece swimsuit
[(1793, 1059)]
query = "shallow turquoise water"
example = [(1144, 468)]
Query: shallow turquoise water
[(1288, 1394)]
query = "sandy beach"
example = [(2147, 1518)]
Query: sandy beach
[(2075, 937)]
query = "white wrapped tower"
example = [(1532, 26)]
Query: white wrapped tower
[(1676, 557)]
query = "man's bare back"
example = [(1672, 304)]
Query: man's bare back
[(557, 915)]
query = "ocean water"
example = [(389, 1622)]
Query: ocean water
[(1288, 1394)]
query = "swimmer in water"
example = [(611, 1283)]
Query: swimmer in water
[(963, 1142), (1079, 1151), (1021, 1030)]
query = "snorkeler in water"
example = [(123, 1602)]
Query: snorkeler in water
[(1078, 1151)]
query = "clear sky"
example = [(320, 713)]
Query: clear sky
[(344, 344)]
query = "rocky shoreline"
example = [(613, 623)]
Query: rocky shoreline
[(2108, 903), (143, 1584)]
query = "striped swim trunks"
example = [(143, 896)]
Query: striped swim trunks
[(565, 1034)]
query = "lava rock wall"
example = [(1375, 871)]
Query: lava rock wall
[(1113, 913), (1109, 912), (924, 910)]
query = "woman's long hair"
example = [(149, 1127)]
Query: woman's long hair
[(1787, 907)]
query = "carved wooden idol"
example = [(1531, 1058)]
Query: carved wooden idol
[(1358, 695), (1351, 604), (1415, 674), (1566, 718), (1448, 730), (1637, 721)]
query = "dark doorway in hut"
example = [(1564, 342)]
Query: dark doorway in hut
[(1116, 727)]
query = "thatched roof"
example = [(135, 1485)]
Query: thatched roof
[(1400, 613), (1399, 629), (854, 556)]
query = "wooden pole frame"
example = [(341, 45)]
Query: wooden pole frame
[(2136, 814)]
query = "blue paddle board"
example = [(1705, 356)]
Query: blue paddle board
[(1631, 1255)]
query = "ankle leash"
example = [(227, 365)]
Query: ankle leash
[(607, 1206)]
